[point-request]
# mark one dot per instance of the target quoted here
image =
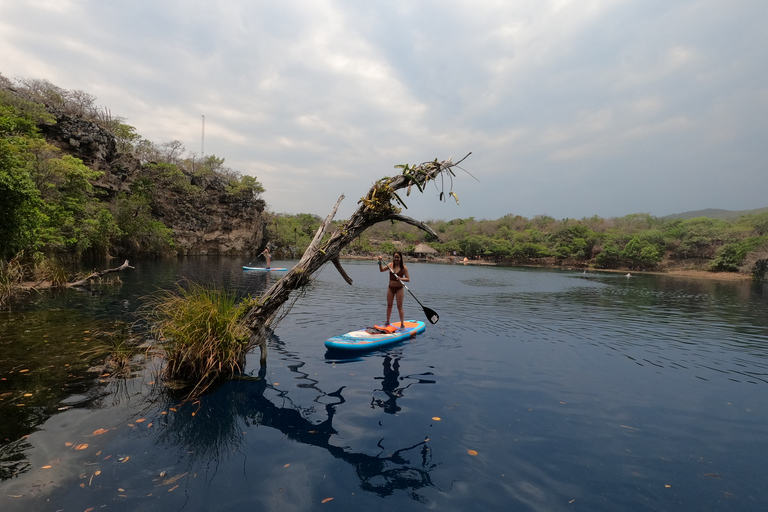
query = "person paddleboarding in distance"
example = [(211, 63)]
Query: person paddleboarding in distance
[(398, 274), (266, 255)]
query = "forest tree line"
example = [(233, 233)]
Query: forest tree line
[(636, 241)]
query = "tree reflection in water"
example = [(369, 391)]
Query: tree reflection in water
[(215, 431), (390, 383)]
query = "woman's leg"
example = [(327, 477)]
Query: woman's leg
[(390, 298), (400, 296)]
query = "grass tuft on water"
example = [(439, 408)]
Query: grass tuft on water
[(117, 350), (201, 332)]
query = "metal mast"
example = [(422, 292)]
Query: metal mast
[(202, 140)]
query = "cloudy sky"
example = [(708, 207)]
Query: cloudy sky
[(571, 108)]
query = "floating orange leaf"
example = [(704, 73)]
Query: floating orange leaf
[(100, 431), (23, 371), (472, 452), (68, 443), (437, 418), (326, 500), (47, 467), (81, 446), (149, 425), (27, 394), (173, 488), (90, 509), (286, 465), (125, 459), (98, 472), (140, 420)]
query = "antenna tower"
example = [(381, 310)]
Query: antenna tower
[(202, 140)]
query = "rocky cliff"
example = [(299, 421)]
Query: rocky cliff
[(212, 221)]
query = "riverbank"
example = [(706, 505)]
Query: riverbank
[(676, 272)]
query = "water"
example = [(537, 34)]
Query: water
[(537, 390)]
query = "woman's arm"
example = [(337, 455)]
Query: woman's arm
[(406, 278)]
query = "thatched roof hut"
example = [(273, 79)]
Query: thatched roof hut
[(424, 250)]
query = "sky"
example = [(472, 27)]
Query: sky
[(570, 108)]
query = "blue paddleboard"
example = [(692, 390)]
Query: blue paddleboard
[(371, 337)]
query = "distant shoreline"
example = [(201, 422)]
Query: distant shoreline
[(688, 273)]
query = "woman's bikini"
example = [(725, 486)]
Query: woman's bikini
[(394, 283)]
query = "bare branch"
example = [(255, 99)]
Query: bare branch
[(96, 275), (376, 206)]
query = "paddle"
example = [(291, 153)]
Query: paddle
[(432, 315)]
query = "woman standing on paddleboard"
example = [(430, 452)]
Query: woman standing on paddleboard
[(398, 274), (267, 256)]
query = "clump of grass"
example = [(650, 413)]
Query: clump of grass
[(52, 270), (202, 334), (11, 276), (117, 349)]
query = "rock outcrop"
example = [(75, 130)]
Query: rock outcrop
[(210, 222)]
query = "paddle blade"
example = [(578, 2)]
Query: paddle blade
[(432, 315)]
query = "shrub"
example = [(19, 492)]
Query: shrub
[(202, 334)]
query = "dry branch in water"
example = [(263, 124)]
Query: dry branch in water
[(96, 275), (381, 203)]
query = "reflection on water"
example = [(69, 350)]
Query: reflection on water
[(537, 390), (213, 427), (391, 384)]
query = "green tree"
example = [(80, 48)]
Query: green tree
[(20, 205), (640, 253), (609, 256)]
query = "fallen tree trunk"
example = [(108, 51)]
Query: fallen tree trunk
[(376, 206), (96, 275), (46, 284)]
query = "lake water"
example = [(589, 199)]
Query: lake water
[(538, 390)]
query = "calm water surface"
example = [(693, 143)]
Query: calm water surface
[(538, 390)]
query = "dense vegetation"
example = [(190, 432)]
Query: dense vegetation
[(637, 241), (51, 210)]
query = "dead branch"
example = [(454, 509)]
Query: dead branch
[(96, 275), (380, 203)]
